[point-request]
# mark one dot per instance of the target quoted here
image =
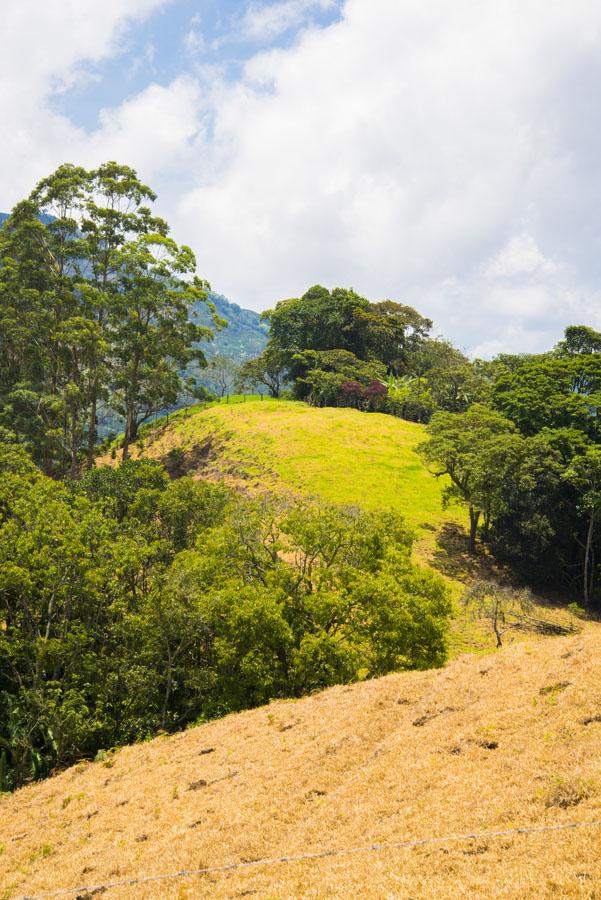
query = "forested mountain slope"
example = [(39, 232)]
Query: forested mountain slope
[(245, 335), (486, 745)]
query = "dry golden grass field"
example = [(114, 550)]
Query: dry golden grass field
[(507, 741)]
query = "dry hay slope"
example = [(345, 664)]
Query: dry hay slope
[(507, 741)]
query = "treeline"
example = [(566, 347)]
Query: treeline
[(130, 603), (518, 437), (335, 348), (96, 311)]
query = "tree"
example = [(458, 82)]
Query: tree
[(223, 371), (549, 392), (321, 374), (584, 474), (504, 607), (152, 336), (395, 331), (474, 451), (326, 338), (579, 339), (535, 520), (319, 320), (269, 369), (68, 255), (453, 381)]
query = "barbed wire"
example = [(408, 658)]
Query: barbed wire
[(300, 857)]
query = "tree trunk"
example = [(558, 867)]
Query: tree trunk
[(474, 519), (74, 448), (130, 432), (486, 528), (92, 431)]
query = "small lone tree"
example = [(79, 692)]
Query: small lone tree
[(268, 369), (223, 371), (499, 605)]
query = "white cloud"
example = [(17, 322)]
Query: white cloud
[(442, 155), (266, 22), (520, 257), (152, 131), (44, 48), (194, 40), (410, 148)]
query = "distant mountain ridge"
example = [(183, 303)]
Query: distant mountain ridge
[(245, 335)]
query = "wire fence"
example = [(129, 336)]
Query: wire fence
[(89, 890)]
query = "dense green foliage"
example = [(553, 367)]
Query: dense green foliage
[(95, 303), (336, 348), (269, 370), (131, 603), (333, 346), (528, 465)]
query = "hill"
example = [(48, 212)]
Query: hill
[(484, 746), (340, 455)]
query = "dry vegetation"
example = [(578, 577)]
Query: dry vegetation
[(506, 741)]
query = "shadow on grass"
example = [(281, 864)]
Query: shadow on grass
[(452, 558), (179, 462)]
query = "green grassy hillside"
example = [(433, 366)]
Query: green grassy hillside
[(340, 455)]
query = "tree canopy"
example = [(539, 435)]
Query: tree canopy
[(94, 309)]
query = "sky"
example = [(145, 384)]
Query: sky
[(445, 155)]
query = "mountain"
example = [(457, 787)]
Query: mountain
[(477, 780), (43, 218), (245, 335)]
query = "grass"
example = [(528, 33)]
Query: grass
[(471, 748), (489, 743), (340, 455)]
